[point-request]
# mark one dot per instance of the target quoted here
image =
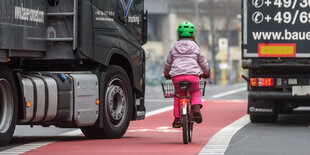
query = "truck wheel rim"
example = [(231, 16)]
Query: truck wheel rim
[(6, 105), (116, 102)]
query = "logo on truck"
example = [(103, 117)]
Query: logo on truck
[(258, 17), (265, 110), (126, 7), (258, 3)]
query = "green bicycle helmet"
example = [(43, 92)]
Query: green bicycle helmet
[(186, 29)]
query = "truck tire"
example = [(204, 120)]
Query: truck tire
[(118, 105), (8, 105), (263, 118)]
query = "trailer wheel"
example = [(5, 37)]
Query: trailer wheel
[(8, 105), (263, 118), (118, 105)]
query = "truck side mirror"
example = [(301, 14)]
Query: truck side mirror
[(53, 3), (147, 54), (144, 33)]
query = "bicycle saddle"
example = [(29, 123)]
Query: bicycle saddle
[(185, 84)]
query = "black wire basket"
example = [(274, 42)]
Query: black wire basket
[(171, 90)]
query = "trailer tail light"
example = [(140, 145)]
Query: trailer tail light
[(262, 82), (97, 101)]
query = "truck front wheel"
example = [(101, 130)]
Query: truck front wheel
[(8, 105), (118, 105)]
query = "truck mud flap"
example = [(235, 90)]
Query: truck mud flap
[(261, 107)]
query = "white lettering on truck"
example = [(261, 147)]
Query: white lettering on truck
[(286, 35), (27, 14)]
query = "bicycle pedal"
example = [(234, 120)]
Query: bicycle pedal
[(177, 126)]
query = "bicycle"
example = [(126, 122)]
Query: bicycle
[(171, 90)]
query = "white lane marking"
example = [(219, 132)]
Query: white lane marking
[(72, 133), (34, 145), (25, 148), (159, 100), (158, 129), (229, 92), (158, 111), (220, 141)]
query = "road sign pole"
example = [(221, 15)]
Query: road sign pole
[(223, 69), (223, 47)]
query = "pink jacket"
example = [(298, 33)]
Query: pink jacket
[(184, 59)]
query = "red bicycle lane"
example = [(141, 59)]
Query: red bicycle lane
[(154, 135)]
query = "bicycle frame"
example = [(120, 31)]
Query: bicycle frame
[(183, 91), (184, 103)]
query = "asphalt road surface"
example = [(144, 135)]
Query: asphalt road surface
[(226, 129), (289, 136)]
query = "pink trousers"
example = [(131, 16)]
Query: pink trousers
[(196, 95)]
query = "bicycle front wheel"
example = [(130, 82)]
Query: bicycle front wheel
[(186, 135)]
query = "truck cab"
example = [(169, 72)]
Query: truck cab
[(72, 63)]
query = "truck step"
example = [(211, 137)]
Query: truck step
[(62, 24), (50, 14), (59, 39)]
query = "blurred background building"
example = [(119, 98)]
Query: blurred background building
[(215, 20)]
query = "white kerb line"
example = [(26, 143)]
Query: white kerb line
[(218, 144), (229, 92), (158, 111)]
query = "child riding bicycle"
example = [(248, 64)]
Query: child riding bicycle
[(182, 64)]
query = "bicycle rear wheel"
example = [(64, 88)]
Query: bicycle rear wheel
[(186, 132)]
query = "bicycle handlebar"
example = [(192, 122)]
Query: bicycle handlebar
[(168, 77), (203, 77), (200, 77)]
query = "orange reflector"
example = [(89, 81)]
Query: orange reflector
[(240, 75), (97, 102), (276, 50), (28, 104), (263, 82)]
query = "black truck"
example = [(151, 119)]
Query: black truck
[(72, 64), (276, 52)]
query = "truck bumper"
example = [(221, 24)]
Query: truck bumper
[(274, 95), (267, 102)]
